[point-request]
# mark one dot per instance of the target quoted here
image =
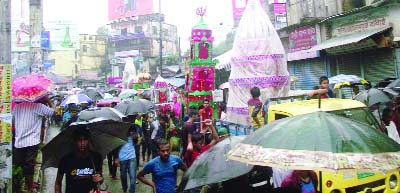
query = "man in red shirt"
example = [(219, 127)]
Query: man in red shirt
[(205, 113), (198, 144)]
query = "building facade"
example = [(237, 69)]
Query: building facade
[(139, 38), (361, 38)]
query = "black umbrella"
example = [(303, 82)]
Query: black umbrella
[(393, 88), (212, 166), (104, 112), (93, 93), (105, 135), (129, 107)]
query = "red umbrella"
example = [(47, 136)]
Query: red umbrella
[(30, 88)]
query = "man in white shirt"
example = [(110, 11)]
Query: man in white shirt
[(28, 121)]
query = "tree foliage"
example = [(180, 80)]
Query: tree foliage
[(225, 45)]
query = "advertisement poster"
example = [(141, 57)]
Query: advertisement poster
[(302, 38), (20, 38), (5, 128), (5, 84), (20, 63), (118, 9), (64, 35)]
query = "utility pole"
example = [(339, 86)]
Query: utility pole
[(5, 29), (161, 45)]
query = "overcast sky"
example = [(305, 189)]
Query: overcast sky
[(91, 14)]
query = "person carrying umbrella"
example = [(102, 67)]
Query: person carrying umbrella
[(126, 160), (82, 167), (28, 118)]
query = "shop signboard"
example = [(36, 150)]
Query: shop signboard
[(20, 32), (360, 27), (302, 38)]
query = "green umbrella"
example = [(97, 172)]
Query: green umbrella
[(105, 136), (213, 167), (319, 141), (372, 96), (130, 107), (127, 93)]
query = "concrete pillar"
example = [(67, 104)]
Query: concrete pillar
[(36, 27), (5, 31)]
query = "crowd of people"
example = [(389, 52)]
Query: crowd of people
[(150, 140)]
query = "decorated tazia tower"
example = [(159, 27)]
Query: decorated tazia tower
[(200, 72)]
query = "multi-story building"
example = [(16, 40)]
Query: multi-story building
[(92, 55), (357, 37), (139, 37)]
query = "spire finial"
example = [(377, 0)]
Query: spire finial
[(201, 11)]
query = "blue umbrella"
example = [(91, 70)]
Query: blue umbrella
[(77, 99)]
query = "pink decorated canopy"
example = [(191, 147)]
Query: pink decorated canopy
[(160, 82)]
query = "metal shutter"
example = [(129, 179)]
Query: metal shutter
[(349, 64), (307, 72), (379, 64)]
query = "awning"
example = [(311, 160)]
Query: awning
[(343, 40), (224, 60), (176, 82)]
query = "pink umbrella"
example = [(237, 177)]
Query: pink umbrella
[(160, 82), (31, 88), (107, 102)]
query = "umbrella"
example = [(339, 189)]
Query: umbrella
[(372, 96), (104, 112), (129, 107), (127, 93), (393, 88), (224, 85), (107, 102), (93, 93), (108, 96), (30, 88), (319, 141), (106, 135), (341, 78), (212, 166), (76, 98)]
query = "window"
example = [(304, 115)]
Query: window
[(165, 31), (84, 48), (84, 37), (138, 29), (154, 29), (90, 37), (124, 31)]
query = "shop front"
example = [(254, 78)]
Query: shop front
[(306, 66), (362, 43)]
